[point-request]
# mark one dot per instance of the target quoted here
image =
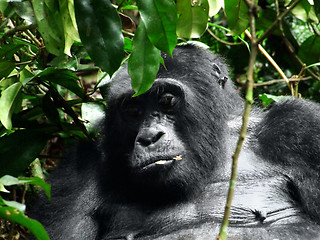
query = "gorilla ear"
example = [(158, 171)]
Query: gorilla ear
[(222, 81), (217, 71), (216, 68)]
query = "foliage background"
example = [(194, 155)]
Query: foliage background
[(55, 56)]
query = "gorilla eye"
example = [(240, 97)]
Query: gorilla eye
[(131, 109), (167, 100)]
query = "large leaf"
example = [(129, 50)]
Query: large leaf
[(193, 18), (92, 113), (10, 102), (309, 51), (6, 68), (144, 61), (64, 78), (16, 216), (215, 6), (69, 24), (159, 18), (305, 11), (8, 180), (317, 8), (50, 24), (237, 14), (24, 10), (100, 31), (19, 149)]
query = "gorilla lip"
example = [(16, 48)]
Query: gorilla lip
[(162, 161)]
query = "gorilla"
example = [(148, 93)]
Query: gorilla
[(162, 167)]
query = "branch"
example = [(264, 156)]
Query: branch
[(276, 22), (13, 31), (222, 41), (271, 82)]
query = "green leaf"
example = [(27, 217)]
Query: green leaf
[(16, 216), (305, 12), (317, 8), (8, 180), (14, 204), (160, 18), (7, 51), (267, 99), (100, 31), (144, 61), (193, 18), (92, 113), (26, 75), (19, 149), (215, 6), (50, 109), (10, 102), (127, 44), (24, 10), (6, 68), (238, 16), (69, 24), (309, 51), (3, 6), (64, 78), (50, 25), (38, 182)]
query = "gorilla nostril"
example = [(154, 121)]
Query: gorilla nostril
[(149, 137), (144, 141), (157, 136)]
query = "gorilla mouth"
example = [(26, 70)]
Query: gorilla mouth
[(159, 162)]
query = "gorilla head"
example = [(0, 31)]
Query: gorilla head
[(168, 141)]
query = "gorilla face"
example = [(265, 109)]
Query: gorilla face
[(156, 147), (148, 147)]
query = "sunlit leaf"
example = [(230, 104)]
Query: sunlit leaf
[(24, 10), (267, 99), (16, 216), (159, 18), (69, 25), (50, 25), (92, 113), (215, 6), (305, 12), (10, 101), (193, 18), (144, 61)]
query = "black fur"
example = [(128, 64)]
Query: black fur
[(190, 118)]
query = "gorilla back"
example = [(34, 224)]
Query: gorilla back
[(161, 170)]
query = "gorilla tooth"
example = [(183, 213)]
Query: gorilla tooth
[(161, 162)]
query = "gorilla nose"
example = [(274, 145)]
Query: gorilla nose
[(149, 136)]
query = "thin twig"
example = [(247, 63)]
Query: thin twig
[(245, 120), (13, 31), (274, 64), (274, 81), (222, 41)]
